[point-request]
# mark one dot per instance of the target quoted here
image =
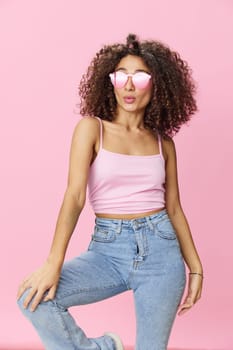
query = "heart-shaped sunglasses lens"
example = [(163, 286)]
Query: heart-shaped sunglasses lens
[(140, 79)]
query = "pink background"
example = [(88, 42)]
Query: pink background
[(45, 48)]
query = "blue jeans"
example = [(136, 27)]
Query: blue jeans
[(142, 255)]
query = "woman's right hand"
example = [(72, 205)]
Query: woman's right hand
[(45, 279)]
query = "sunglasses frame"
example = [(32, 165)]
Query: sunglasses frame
[(112, 77)]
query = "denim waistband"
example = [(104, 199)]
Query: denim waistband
[(130, 222)]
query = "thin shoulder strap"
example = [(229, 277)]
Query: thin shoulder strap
[(160, 145), (101, 131), (159, 141)]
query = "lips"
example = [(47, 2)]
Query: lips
[(129, 99)]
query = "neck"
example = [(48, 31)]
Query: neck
[(130, 120)]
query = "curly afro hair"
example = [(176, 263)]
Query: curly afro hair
[(172, 102)]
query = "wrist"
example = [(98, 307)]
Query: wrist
[(197, 273), (196, 268), (54, 261)]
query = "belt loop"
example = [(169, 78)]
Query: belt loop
[(119, 225), (148, 219)]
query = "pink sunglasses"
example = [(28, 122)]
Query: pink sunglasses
[(140, 79)]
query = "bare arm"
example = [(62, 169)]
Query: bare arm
[(46, 278), (181, 226), (81, 154)]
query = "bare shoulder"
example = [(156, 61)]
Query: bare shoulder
[(87, 128), (168, 147), (81, 155)]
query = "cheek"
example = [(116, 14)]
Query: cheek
[(119, 94), (148, 91), (116, 94), (147, 95)]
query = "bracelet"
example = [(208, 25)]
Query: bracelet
[(196, 273)]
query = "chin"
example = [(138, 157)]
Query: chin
[(130, 107)]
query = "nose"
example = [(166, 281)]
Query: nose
[(129, 84)]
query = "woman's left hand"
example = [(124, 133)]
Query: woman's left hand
[(194, 293)]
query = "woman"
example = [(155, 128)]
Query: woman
[(134, 97)]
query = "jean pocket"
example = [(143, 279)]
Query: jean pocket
[(165, 229), (103, 234)]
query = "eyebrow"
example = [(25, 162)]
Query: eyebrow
[(137, 70)]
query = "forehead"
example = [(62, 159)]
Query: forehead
[(132, 63)]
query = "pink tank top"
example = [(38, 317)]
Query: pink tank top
[(120, 183)]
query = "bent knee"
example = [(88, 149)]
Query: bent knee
[(26, 310)]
